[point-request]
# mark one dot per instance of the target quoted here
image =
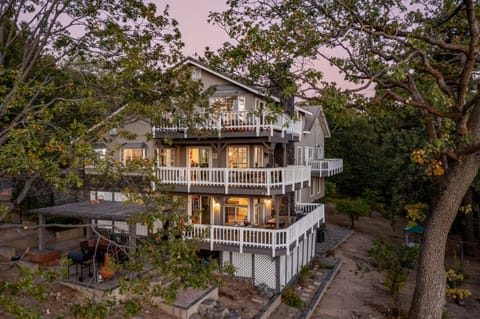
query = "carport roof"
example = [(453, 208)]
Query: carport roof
[(93, 210)]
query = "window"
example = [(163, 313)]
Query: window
[(258, 211), (299, 157), (259, 105), (258, 156), (222, 104), (200, 209), (298, 196), (229, 103), (319, 185), (196, 74), (199, 157), (310, 153), (100, 154), (236, 210), (166, 157), (319, 152), (133, 152), (312, 185), (237, 157)]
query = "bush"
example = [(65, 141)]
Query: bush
[(291, 298), (395, 261)]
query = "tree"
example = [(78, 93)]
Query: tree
[(395, 261), (353, 208), (424, 55), (69, 72)]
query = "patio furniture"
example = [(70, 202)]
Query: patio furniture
[(82, 259)]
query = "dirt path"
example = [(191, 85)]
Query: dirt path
[(355, 289), (358, 292)]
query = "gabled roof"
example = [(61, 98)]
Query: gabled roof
[(198, 64), (311, 114)]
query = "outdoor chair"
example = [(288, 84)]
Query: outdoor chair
[(82, 259)]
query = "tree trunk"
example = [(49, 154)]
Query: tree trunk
[(429, 297)]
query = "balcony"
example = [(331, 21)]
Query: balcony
[(326, 167), (278, 241), (268, 181), (227, 123)]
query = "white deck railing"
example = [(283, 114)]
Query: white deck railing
[(266, 178), (236, 121), (327, 167), (252, 237)]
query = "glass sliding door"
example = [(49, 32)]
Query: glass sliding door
[(236, 211), (199, 157), (201, 211), (237, 157)]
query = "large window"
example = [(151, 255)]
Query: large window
[(223, 104), (166, 157), (132, 154), (237, 156), (236, 210), (199, 157)]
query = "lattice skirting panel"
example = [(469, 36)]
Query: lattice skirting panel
[(275, 272), (265, 271), (243, 264)]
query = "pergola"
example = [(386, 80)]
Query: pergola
[(91, 210)]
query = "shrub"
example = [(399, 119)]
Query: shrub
[(453, 290), (395, 261), (291, 298)]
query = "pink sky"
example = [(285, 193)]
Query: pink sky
[(197, 33), (192, 16)]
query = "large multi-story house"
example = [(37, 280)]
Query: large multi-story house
[(252, 180)]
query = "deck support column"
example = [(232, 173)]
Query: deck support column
[(277, 211), (132, 237), (41, 232)]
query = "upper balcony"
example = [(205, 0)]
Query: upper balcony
[(255, 181), (326, 167), (251, 238), (228, 124)]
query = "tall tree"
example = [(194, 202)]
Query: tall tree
[(69, 72), (423, 55)]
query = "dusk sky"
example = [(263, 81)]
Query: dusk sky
[(192, 16), (197, 33)]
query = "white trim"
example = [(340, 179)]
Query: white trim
[(303, 110)]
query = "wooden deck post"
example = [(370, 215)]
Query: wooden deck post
[(132, 237), (41, 231)]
